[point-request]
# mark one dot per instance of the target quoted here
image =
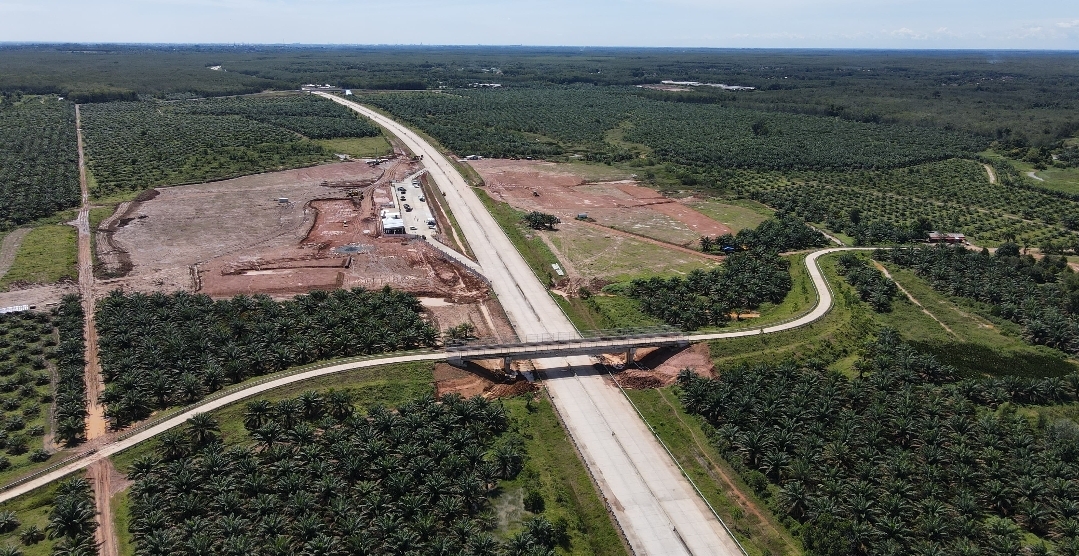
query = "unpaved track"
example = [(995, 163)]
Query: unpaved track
[(96, 427), (992, 175), (101, 476), (95, 420), (9, 247)]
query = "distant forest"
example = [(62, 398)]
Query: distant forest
[(1029, 97)]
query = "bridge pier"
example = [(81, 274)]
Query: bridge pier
[(507, 367), (631, 354)]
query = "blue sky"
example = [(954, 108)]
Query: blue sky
[(1005, 24)]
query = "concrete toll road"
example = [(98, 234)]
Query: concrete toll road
[(655, 506)]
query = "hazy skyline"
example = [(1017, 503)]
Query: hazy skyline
[(995, 24)]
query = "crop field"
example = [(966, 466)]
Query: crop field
[(998, 497), (38, 159), (882, 207), (163, 350), (552, 122), (959, 333), (137, 145), (42, 394)]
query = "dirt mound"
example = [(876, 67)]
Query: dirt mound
[(641, 380), (476, 380)]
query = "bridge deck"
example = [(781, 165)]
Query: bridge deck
[(565, 347)]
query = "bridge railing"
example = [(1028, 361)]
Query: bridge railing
[(593, 338)]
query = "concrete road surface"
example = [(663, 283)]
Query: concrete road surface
[(654, 504)]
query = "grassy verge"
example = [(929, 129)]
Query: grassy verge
[(605, 312), (47, 255), (530, 245), (974, 341), (554, 471), (31, 509), (387, 385), (358, 147), (121, 509), (444, 206), (749, 517)]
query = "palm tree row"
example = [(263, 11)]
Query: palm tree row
[(70, 364), (901, 459), (159, 350), (707, 297), (319, 479), (73, 519), (1041, 295)]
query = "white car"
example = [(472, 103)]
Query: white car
[(422, 200)]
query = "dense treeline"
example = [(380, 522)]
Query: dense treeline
[(73, 518), (307, 115), (1041, 295), (783, 232), (135, 145), (1018, 97), (708, 297), (159, 350), (873, 286), (70, 365), (39, 159), (902, 459), (322, 479), (554, 121)]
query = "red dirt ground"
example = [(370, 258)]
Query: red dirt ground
[(475, 380), (566, 195), (660, 367)]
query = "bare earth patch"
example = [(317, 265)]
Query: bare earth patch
[(623, 204), (287, 233), (656, 368)]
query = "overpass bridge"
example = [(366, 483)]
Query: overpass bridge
[(541, 346)]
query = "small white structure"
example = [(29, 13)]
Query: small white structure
[(14, 309), (348, 92)]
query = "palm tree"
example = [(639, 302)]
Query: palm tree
[(257, 413), (203, 430)]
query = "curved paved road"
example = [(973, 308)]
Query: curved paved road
[(653, 503)]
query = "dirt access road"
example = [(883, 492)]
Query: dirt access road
[(655, 506), (96, 426)]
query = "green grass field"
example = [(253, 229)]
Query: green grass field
[(966, 337), (742, 511), (1057, 179), (47, 255), (358, 147), (554, 470), (736, 214)]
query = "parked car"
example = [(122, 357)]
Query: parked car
[(422, 200), (408, 208)]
